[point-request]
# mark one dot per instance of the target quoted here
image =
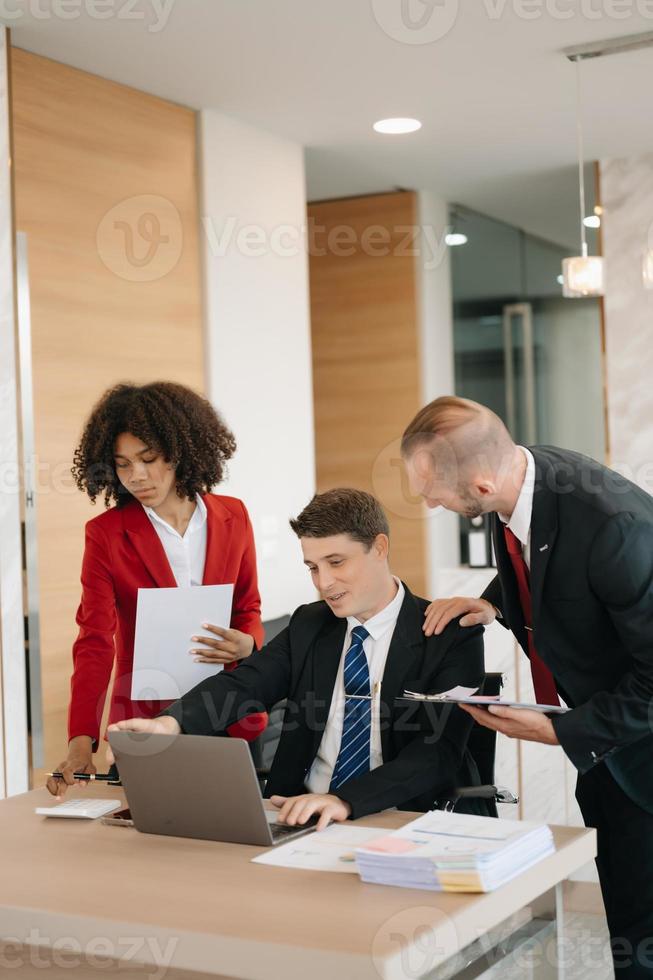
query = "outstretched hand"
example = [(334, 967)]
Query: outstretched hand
[(165, 725)]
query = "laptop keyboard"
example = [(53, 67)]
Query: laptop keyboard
[(283, 831)]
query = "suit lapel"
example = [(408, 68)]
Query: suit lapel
[(544, 530), (219, 529), (406, 647), (147, 545)]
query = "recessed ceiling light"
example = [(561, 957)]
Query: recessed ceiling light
[(592, 221), (396, 126), (455, 238)]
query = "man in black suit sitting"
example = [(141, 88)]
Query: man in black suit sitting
[(347, 747)]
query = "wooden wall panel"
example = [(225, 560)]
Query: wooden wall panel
[(105, 183), (366, 372)]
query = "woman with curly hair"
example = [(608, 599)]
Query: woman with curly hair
[(154, 451)]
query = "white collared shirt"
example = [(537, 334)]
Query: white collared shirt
[(519, 521), (376, 647), (186, 554)]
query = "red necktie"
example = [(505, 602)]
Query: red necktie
[(545, 689)]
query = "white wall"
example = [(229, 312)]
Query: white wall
[(259, 372), (436, 353)]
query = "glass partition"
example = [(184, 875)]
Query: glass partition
[(520, 348)]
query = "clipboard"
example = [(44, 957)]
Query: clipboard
[(480, 701)]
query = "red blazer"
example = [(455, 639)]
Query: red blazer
[(123, 553)]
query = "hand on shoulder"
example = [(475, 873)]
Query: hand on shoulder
[(471, 611)]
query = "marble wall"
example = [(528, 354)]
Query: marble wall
[(627, 199)]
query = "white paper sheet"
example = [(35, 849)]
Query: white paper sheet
[(165, 621), (329, 850)]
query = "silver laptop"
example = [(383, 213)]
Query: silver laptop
[(196, 786)]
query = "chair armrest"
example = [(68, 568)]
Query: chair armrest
[(473, 793), (498, 794)]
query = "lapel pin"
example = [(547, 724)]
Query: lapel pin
[(544, 547)]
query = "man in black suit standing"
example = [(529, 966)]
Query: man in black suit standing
[(574, 550), (347, 747)]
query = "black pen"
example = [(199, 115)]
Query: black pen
[(88, 777)]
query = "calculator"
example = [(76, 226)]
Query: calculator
[(80, 809)]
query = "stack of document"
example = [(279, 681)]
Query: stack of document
[(454, 852)]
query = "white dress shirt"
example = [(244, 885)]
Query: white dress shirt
[(186, 554), (376, 647), (519, 521)]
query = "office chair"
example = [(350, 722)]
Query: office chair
[(482, 747), (264, 747)]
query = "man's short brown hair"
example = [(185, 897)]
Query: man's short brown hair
[(440, 418), (342, 511), (461, 437)]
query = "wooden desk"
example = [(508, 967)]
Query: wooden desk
[(149, 902)]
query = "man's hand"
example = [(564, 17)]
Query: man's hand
[(532, 726), (155, 726), (474, 612), (230, 645), (80, 759), (296, 810)]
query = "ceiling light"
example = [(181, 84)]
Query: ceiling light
[(592, 221), (455, 238), (396, 126), (582, 274)]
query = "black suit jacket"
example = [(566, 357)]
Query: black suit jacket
[(424, 747), (592, 596)]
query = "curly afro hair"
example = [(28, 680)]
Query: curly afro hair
[(175, 421)]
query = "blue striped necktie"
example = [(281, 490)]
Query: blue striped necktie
[(354, 754)]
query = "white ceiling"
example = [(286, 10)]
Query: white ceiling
[(494, 93)]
